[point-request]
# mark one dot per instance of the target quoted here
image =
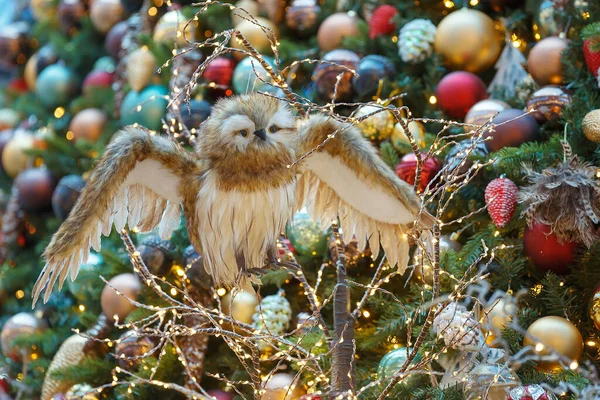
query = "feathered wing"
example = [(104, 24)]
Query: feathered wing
[(141, 180), (347, 179)]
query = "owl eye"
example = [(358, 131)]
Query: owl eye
[(273, 128), (244, 132)]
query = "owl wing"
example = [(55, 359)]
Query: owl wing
[(141, 180), (347, 179)]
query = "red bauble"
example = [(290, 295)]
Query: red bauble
[(97, 79), (592, 58), (530, 392), (35, 186), (381, 22), (501, 197), (220, 395), (521, 128), (407, 168), (18, 85), (458, 91), (545, 250), (220, 71), (4, 386), (310, 397)]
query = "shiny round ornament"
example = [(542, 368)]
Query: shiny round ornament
[(483, 111), (43, 10), (372, 70), (468, 40), (407, 169), (88, 124), (354, 254), (35, 187), (497, 317), (382, 21), (415, 43), (220, 71), (114, 39), (254, 34), (302, 17), (282, 386), (423, 271), (591, 126), (557, 335), (548, 103), (335, 28), (458, 92), (19, 324), (401, 142), (131, 349), (157, 254), (240, 305), (249, 7), (95, 80), (544, 62), (9, 118), (250, 76), (14, 44), (545, 250), (197, 112), (391, 364), (306, 236), (378, 126), (37, 63), (70, 13), (80, 288), (326, 75), (152, 104), (140, 67), (14, 158), (490, 382), (105, 14), (171, 28), (521, 129), (195, 271), (530, 392), (115, 305), (594, 309), (56, 85)]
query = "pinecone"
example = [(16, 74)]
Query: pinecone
[(501, 197), (13, 226), (415, 43), (591, 47)]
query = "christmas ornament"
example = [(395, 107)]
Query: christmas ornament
[(20, 324), (195, 271), (458, 327), (240, 305), (70, 13), (497, 316), (483, 111), (501, 197), (249, 75), (8, 118), (391, 363), (88, 124), (415, 43), (12, 231), (509, 71), (306, 236), (382, 21), (490, 382), (548, 103), (544, 62), (407, 169), (372, 71), (254, 34), (244, 8), (146, 108), (335, 28), (35, 188), (564, 198), (105, 64), (71, 352), (311, 397), (14, 158), (197, 112), (36, 64), (468, 40), (157, 254), (81, 289), (378, 126), (140, 165), (530, 392), (591, 47), (82, 391), (521, 129), (95, 80), (173, 28), (273, 9), (56, 85), (220, 394), (114, 39), (302, 17), (140, 68), (282, 386), (273, 316), (326, 75), (557, 336), (131, 348), (220, 71), (401, 142), (117, 305), (543, 247), (591, 126), (5, 137), (458, 91), (423, 270), (14, 44), (105, 14), (43, 10), (594, 309)]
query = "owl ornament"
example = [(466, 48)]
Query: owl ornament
[(237, 191)]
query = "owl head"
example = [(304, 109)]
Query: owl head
[(251, 123)]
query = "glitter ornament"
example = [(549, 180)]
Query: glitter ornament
[(382, 21), (140, 67), (220, 71), (591, 126), (530, 392), (82, 391), (415, 43), (557, 335), (105, 14), (501, 197), (594, 309), (274, 314), (306, 236), (548, 103), (378, 126), (459, 328), (407, 168), (591, 47)]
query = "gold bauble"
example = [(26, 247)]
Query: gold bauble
[(14, 159), (255, 35), (591, 126), (555, 333), (8, 118), (43, 10), (30, 73), (21, 324), (170, 29), (495, 318), (400, 140), (544, 61), (118, 304), (140, 68), (490, 382), (594, 309), (70, 353), (377, 127), (279, 387), (241, 305), (335, 28), (88, 124), (105, 14), (468, 40), (482, 111), (250, 6)]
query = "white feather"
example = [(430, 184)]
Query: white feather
[(170, 220)]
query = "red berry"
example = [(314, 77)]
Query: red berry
[(501, 199), (381, 22)]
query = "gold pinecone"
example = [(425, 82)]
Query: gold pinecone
[(71, 352)]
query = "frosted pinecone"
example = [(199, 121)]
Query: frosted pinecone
[(459, 328), (415, 42), (525, 88), (273, 315)]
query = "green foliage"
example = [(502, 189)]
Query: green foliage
[(389, 154)]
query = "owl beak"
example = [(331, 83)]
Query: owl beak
[(261, 133)]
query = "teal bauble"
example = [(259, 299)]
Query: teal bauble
[(306, 236), (245, 78), (81, 288), (391, 363), (153, 107), (56, 85), (106, 64)]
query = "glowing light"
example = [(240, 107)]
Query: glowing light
[(574, 365), (81, 308), (539, 347), (474, 2), (20, 294), (59, 112), (366, 314), (432, 99), (173, 291), (152, 11), (221, 291), (449, 3)]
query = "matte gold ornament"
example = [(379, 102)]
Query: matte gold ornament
[(548, 103), (118, 304), (258, 38), (105, 14), (544, 63), (70, 353), (173, 28), (468, 40), (591, 126), (140, 68), (401, 142), (594, 310), (483, 111), (88, 124), (241, 305), (551, 335), (250, 6), (282, 386)]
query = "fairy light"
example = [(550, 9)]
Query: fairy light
[(59, 112), (432, 99), (19, 294), (448, 3)]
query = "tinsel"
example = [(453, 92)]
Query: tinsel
[(415, 42), (458, 327), (274, 314), (565, 197)]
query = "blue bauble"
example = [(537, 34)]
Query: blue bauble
[(106, 63), (56, 85), (371, 70), (152, 109), (196, 113), (245, 78)]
